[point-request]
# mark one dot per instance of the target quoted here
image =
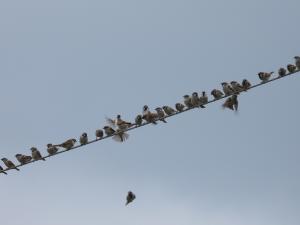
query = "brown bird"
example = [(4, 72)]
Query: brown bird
[(203, 99), (227, 89), (68, 144), (149, 116), (246, 84), (281, 72), (231, 103), (36, 155), (179, 107), (99, 134), (169, 110), (23, 159), (51, 149), (161, 115), (9, 164), (217, 93), (120, 136), (130, 197), (291, 68), (264, 77), (236, 86), (83, 139), (187, 100), (118, 122)]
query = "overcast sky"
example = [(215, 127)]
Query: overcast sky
[(65, 65)]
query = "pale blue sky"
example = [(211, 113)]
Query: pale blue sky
[(65, 65)]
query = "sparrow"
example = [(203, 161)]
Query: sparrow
[(187, 100), (179, 107), (130, 197), (291, 68), (1, 170), (169, 110), (203, 99), (109, 130), (160, 114), (138, 120), (227, 89), (51, 149), (83, 139), (120, 136), (246, 84), (99, 134), (297, 61), (36, 155), (264, 77), (149, 116), (231, 103), (68, 144), (23, 159), (236, 86), (217, 93), (9, 164), (195, 100), (281, 72)]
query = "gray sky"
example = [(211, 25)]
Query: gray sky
[(65, 65)]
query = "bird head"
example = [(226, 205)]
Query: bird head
[(195, 94), (83, 135), (145, 107), (49, 145)]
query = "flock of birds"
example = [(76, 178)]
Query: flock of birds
[(117, 127)]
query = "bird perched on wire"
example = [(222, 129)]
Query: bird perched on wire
[(291, 68), (161, 115), (179, 107), (51, 149), (187, 100), (297, 62), (246, 84), (264, 77), (1, 170), (227, 89), (68, 144), (217, 93), (119, 135), (23, 159), (203, 99), (118, 122), (83, 139), (149, 116), (138, 120), (231, 103), (169, 110), (195, 100), (36, 155), (236, 86), (130, 197), (9, 164), (99, 134), (281, 72)]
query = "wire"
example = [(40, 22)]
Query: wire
[(147, 123)]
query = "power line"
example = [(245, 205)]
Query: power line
[(147, 123)]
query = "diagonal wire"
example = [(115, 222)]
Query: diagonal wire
[(147, 123)]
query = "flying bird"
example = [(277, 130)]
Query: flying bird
[(9, 164), (99, 134), (83, 139), (36, 155), (179, 107), (264, 77), (68, 144), (291, 68), (23, 159), (169, 110), (246, 84), (138, 120), (51, 149), (227, 89), (119, 135), (118, 122), (187, 100), (281, 72), (297, 61), (161, 115), (130, 197), (217, 93), (1, 170), (231, 103)]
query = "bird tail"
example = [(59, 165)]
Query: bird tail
[(4, 172), (17, 169)]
